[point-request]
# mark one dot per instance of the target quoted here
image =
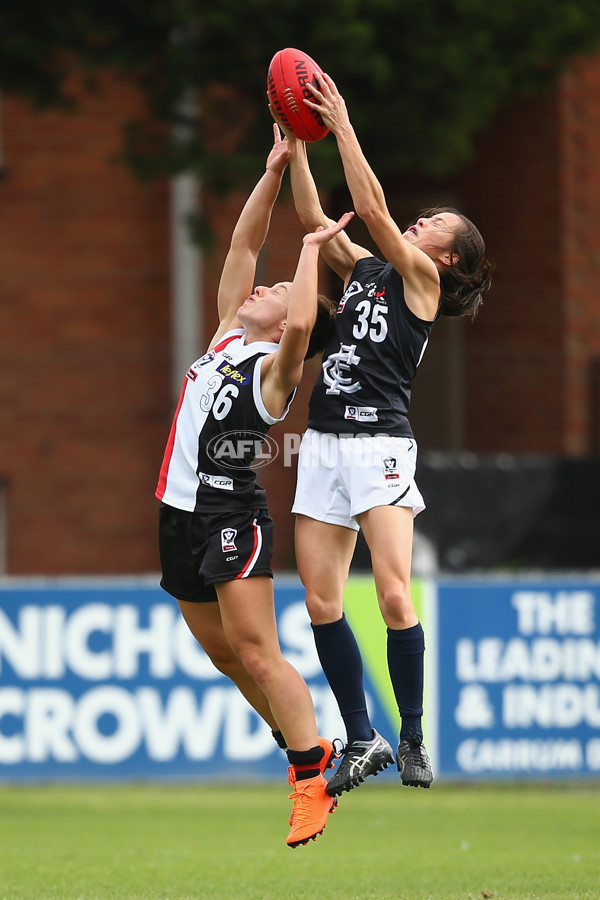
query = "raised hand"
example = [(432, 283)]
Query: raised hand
[(279, 156), (322, 234), (329, 102), (289, 134)]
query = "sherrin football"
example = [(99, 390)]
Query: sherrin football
[(289, 73)]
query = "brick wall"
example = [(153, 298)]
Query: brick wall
[(84, 341), (580, 180), (532, 358), (515, 352)]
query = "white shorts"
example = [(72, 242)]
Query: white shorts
[(340, 478)]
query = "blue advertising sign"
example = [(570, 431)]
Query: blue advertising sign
[(518, 678), (104, 680)]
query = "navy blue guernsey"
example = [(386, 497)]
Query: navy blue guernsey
[(369, 363)]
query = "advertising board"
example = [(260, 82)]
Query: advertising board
[(518, 681), (104, 680)]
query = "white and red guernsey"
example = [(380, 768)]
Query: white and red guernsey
[(217, 430)]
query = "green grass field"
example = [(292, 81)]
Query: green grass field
[(214, 842)]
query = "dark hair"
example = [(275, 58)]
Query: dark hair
[(326, 310), (466, 281)]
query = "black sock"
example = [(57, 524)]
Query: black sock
[(342, 664), (405, 651), (306, 762), (279, 739)]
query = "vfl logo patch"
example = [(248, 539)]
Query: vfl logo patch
[(208, 357), (228, 539), (233, 374), (361, 413), (354, 288), (390, 468)]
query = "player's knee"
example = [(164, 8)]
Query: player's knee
[(320, 609), (397, 607), (257, 662), (226, 662)]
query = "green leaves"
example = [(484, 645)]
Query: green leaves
[(420, 78)]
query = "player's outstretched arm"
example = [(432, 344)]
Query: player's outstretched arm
[(340, 253), (367, 193), (249, 234), (282, 370)]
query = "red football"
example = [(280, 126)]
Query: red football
[(289, 73)]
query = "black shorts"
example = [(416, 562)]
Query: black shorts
[(199, 550)]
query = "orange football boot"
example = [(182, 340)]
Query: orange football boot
[(312, 805), (326, 763)]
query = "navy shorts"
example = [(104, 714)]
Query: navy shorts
[(199, 550)]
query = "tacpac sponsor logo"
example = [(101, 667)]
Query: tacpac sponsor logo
[(371, 291)]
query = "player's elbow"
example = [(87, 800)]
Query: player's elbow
[(369, 202), (309, 211), (299, 329), (370, 211), (311, 218), (298, 333), (244, 247)]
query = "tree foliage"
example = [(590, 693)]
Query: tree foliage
[(420, 78)]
